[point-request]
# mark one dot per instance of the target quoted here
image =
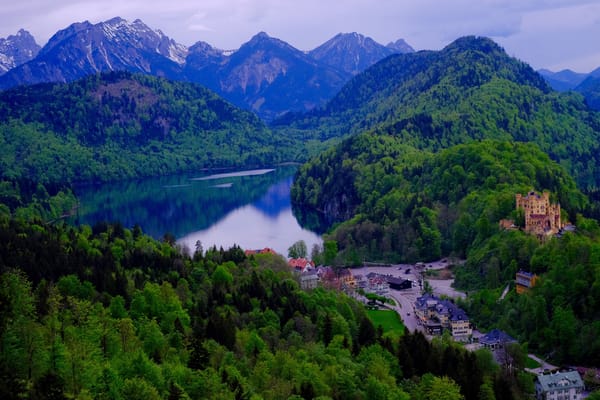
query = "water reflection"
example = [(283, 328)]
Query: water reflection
[(268, 222), (251, 208)]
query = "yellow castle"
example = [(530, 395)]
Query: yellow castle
[(541, 217)]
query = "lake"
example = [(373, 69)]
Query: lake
[(249, 208)]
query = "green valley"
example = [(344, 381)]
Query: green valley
[(419, 157)]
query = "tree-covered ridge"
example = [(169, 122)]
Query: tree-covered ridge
[(119, 125), (395, 85), (410, 205), (559, 317), (107, 312), (470, 90)]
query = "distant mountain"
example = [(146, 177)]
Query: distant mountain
[(400, 46), (267, 75), (84, 48), (201, 56), (590, 89), (16, 50), (118, 125), (470, 90), (563, 80), (586, 84), (353, 52)]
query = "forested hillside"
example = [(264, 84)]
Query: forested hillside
[(440, 144), (559, 317), (119, 125), (408, 205), (107, 312), (402, 204), (470, 90)]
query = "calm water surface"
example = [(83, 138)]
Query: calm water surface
[(249, 208)]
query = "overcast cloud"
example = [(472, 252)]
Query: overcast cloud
[(553, 34)]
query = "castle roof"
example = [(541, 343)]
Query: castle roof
[(525, 274)]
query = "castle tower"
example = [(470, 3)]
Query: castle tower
[(541, 217)]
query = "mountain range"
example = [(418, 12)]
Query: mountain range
[(586, 84), (265, 75)]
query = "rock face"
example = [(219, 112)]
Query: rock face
[(265, 75), (400, 46), (84, 48), (353, 52), (16, 50)]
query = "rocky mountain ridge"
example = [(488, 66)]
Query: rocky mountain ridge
[(265, 75), (16, 50)]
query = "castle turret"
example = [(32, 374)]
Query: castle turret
[(541, 217)]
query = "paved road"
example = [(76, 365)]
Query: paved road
[(444, 287), (544, 366), (405, 301)]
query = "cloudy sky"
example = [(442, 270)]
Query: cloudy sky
[(553, 34)]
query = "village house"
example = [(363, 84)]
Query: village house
[(328, 278), (309, 279), (496, 339), (436, 315), (524, 281), (301, 264), (346, 279), (399, 283), (559, 386), (377, 284)]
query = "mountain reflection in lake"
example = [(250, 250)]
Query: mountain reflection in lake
[(249, 208)]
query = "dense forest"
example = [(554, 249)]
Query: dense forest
[(559, 317), (434, 157), (470, 90), (118, 126), (107, 312), (440, 143), (404, 205), (401, 204)]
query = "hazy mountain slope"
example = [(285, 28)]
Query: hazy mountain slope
[(563, 80), (590, 89)]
